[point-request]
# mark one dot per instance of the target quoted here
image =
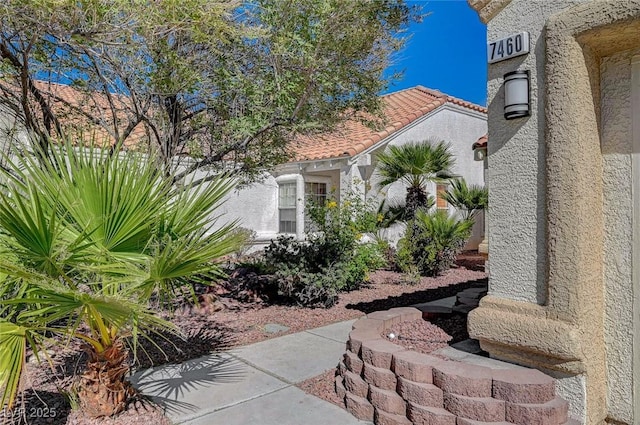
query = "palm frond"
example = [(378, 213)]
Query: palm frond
[(13, 345), (442, 228), (90, 236), (176, 262), (469, 199), (191, 208), (415, 163)]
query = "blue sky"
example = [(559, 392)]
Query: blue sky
[(447, 51)]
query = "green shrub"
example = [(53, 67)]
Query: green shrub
[(334, 229), (331, 260), (432, 242), (308, 289), (371, 256), (249, 237), (285, 251)]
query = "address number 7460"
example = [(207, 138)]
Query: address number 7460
[(508, 47)]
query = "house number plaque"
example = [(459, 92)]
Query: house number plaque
[(508, 47)]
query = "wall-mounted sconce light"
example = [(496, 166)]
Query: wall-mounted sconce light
[(516, 94), (479, 154)]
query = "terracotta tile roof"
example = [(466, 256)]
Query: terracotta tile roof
[(481, 143), (400, 109), (95, 104)]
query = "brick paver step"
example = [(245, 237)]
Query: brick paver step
[(424, 415), (414, 366), (550, 413), (484, 409), (379, 352), (387, 316), (463, 379), (379, 377), (359, 407), (407, 314), (359, 335), (387, 401), (355, 384), (523, 386), (384, 418), (419, 393)]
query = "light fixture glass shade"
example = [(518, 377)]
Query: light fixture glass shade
[(516, 94), (479, 154)]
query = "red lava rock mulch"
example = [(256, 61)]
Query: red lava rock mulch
[(226, 323), (418, 335)]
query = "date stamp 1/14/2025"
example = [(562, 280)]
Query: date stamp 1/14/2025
[(27, 412)]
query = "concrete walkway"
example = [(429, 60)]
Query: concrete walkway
[(254, 384)]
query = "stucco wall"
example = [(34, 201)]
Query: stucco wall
[(10, 130), (617, 147), (254, 206), (516, 161), (457, 127)]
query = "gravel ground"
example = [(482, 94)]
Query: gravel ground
[(220, 323), (418, 335)]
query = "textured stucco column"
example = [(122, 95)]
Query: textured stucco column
[(564, 332)]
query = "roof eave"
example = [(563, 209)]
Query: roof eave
[(488, 9)]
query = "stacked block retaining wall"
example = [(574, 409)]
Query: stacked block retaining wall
[(385, 383)]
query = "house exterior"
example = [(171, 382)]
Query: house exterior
[(564, 185), (345, 161), (328, 164)]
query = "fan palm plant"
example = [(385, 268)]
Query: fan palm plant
[(468, 199), (433, 241), (87, 239), (415, 164), (394, 211)]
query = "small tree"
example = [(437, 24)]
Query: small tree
[(229, 83), (87, 239), (415, 164)]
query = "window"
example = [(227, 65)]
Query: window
[(290, 207), (287, 207), (441, 204), (316, 192)]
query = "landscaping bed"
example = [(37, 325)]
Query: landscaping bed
[(220, 323)]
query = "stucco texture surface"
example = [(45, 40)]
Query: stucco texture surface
[(516, 174), (618, 210), (560, 302)]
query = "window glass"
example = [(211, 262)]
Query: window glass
[(287, 195), (316, 192), (287, 207)]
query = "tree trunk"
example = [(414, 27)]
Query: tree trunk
[(102, 390), (416, 198)]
